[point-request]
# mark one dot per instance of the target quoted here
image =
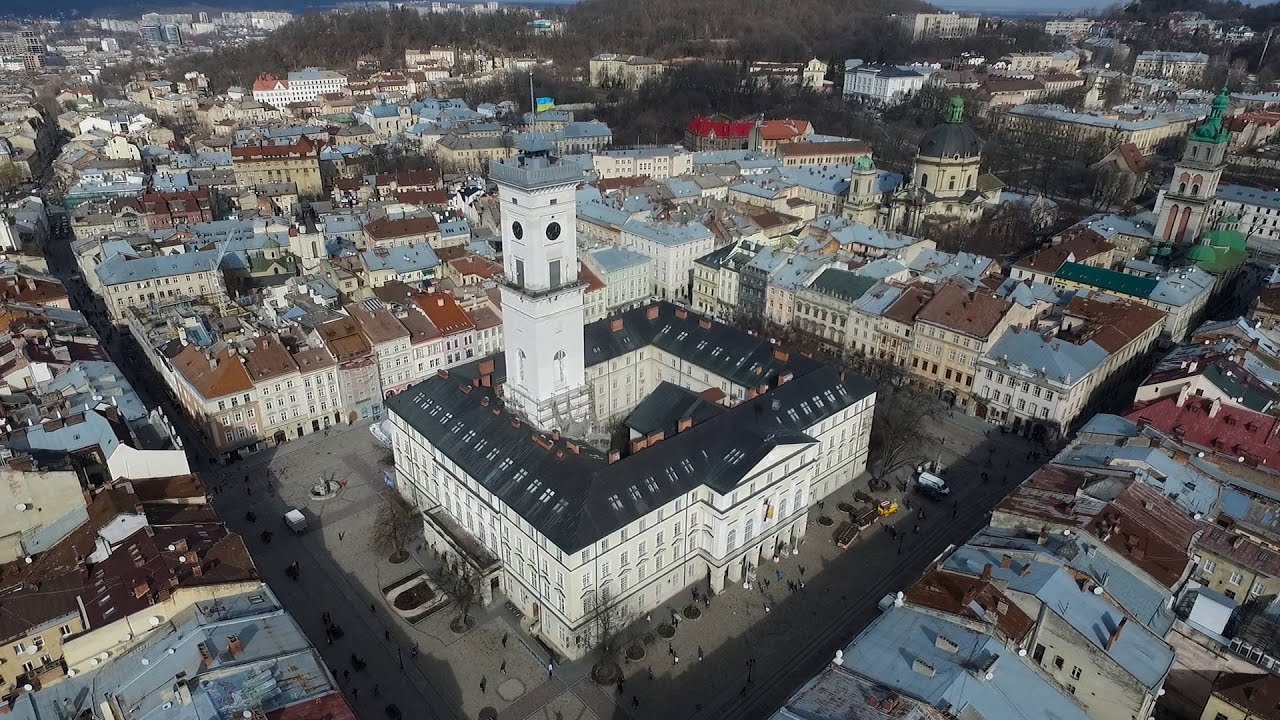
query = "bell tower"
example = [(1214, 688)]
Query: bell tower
[(863, 205), (542, 299), (1182, 208)]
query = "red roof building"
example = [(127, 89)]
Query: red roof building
[(1245, 435), (166, 210), (717, 133)]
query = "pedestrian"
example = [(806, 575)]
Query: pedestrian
[(355, 693), (484, 683), (648, 617), (622, 686), (700, 655), (373, 608), (676, 658), (341, 534), (801, 571), (550, 670), (766, 608), (801, 584), (670, 650), (650, 672), (504, 640), (387, 635), (635, 701), (503, 667), (955, 508)]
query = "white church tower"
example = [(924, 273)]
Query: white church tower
[(542, 299)]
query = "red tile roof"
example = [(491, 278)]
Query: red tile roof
[(1235, 431), (444, 312), (958, 595), (786, 129), (404, 227), (1076, 245), (974, 313), (269, 82), (1139, 522), (305, 147), (706, 127)]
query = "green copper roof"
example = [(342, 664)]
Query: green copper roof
[(955, 111), (1212, 130), (864, 163), (1110, 280), (1228, 239)]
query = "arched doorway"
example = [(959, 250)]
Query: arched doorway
[(280, 437), (352, 417)]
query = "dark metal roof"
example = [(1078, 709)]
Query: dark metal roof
[(949, 140), (723, 350), (568, 490), (666, 406)]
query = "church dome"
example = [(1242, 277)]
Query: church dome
[(953, 138)]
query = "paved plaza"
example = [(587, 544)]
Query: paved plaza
[(798, 632)]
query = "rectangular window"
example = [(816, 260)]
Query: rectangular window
[(1236, 578), (1075, 673), (553, 271), (1058, 662), (519, 272)]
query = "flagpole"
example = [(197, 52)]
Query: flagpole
[(533, 104)]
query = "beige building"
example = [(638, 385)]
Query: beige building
[(130, 282), (1184, 67), (659, 163), (265, 164), (628, 71), (1037, 123), (939, 25), (39, 507), (461, 153), (953, 329)]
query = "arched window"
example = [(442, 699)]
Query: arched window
[(732, 541), (520, 363), (857, 186), (1195, 189), (951, 183), (750, 530), (559, 368), (1182, 187), (782, 508), (924, 180)]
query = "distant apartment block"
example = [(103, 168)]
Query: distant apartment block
[(1187, 67), (1065, 26), (301, 86), (939, 25), (629, 71)]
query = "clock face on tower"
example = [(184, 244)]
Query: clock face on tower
[(553, 231), (517, 229)]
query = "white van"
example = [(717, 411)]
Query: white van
[(928, 479)]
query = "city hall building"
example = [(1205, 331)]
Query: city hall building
[(620, 461)]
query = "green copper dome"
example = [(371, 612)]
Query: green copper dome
[(864, 163), (1202, 254), (1212, 130)]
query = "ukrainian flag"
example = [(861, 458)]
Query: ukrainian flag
[(545, 103)]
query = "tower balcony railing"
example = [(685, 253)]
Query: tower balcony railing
[(542, 292)]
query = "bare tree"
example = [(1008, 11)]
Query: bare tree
[(607, 616), (395, 525), (898, 435), (456, 580), (10, 176)]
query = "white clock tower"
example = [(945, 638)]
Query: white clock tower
[(542, 299)]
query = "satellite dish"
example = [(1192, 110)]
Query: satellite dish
[(145, 661), (20, 507)]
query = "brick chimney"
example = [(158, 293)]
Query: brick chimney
[(615, 325), (1115, 634), (652, 312), (1006, 561), (1043, 537), (1215, 407), (234, 647), (614, 456), (1183, 392), (207, 653), (986, 573), (684, 424)]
